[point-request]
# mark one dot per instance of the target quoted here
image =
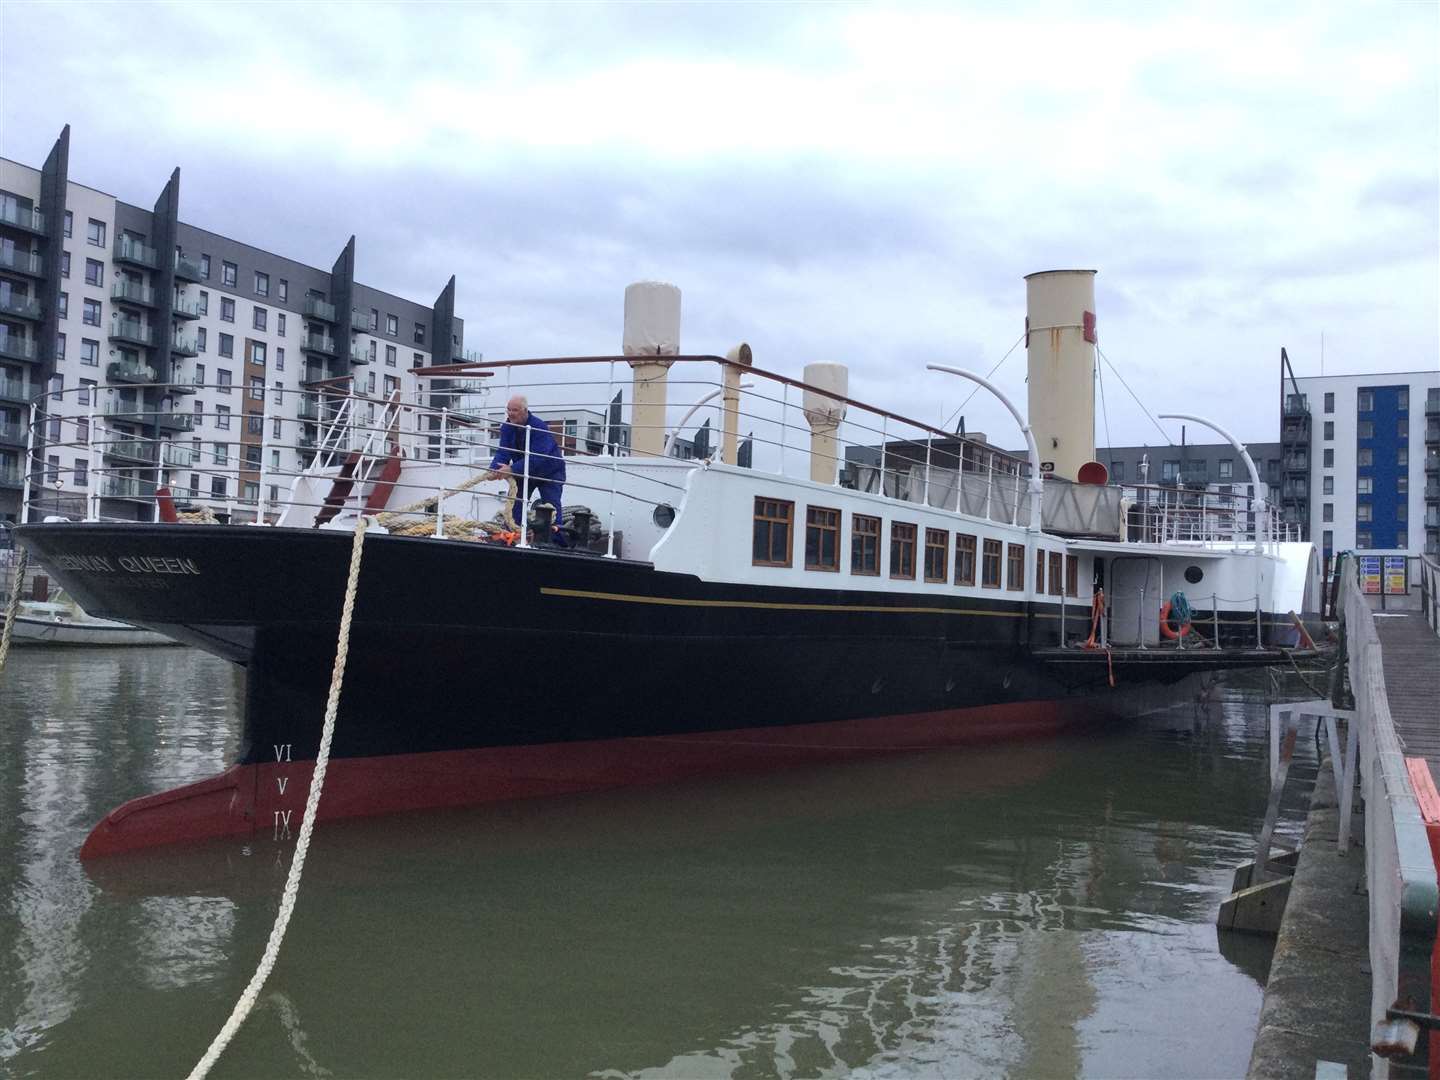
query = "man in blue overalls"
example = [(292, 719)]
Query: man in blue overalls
[(547, 464)]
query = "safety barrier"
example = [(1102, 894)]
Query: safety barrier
[(1430, 591)]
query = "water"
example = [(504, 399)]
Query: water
[(1037, 909)]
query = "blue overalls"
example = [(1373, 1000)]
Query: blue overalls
[(547, 465)]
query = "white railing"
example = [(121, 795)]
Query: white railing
[(1430, 590), (1399, 866)]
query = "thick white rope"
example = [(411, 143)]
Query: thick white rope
[(14, 605), (307, 826)]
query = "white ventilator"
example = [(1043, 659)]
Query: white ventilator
[(652, 332), (824, 414)]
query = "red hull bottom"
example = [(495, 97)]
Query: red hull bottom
[(268, 800)]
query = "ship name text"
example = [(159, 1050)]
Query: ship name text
[(130, 564)]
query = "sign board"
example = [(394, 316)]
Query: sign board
[(1395, 583), (1370, 575)]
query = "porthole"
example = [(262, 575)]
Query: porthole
[(1194, 575), (664, 515)]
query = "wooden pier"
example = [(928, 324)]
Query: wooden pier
[(1410, 652)]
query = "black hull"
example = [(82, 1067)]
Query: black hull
[(459, 647)]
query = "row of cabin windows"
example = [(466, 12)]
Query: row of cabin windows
[(773, 545)]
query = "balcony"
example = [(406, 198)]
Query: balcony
[(130, 250), (308, 409), (142, 450), (174, 420), (20, 307), (315, 308), (180, 385), (22, 262), (122, 372), (16, 390), (135, 412), (183, 345), (131, 331), (1432, 403), (14, 433), (127, 292), (1432, 461), (319, 343), (1432, 431), (177, 456), (185, 309), (126, 487), (187, 269), (359, 354), (360, 321), (10, 475), (17, 217), (15, 347)]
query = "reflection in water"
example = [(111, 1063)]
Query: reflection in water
[(1038, 909)]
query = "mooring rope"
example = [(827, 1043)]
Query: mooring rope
[(307, 826), (14, 605)]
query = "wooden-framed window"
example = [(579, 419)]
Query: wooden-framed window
[(865, 545), (990, 565), (1015, 571), (937, 554), (964, 559), (1039, 570), (1057, 573), (774, 532), (1072, 575), (822, 539), (902, 550)]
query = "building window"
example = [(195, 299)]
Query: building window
[(1015, 567), (283, 289), (260, 318), (89, 352), (1117, 472), (1364, 457), (1365, 401), (1402, 402), (1402, 513), (217, 487), (389, 355), (257, 351), (222, 416), (199, 374), (1362, 539), (279, 359), (227, 345), (1402, 485), (902, 550), (419, 333), (1364, 485), (1327, 541), (392, 326), (201, 339), (1227, 468), (222, 380), (275, 428), (372, 351), (262, 284), (418, 358), (964, 559), (257, 388), (64, 305), (1363, 512), (202, 305), (199, 412), (1327, 511), (95, 273), (91, 314), (95, 233), (1170, 470), (255, 425), (1057, 571), (65, 264), (990, 565), (279, 392), (280, 323), (1329, 403), (205, 266), (937, 555), (1403, 430), (1328, 460), (1327, 486), (60, 347), (774, 525), (82, 472), (52, 471), (822, 539), (1072, 575), (227, 309), (69, 224), (864, 545), (229, 274)]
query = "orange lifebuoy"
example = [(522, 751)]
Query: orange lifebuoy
[(1173, 635)]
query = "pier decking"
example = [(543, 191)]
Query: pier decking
[(1410, 652)]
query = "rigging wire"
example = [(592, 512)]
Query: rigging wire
[(957, 412), (1148, 414), (1104, 412)]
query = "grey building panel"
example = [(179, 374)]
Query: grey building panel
[(299, 277), (1199, 462)]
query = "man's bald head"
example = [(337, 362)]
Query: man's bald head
[(517, 409)]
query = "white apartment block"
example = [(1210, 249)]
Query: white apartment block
[(1362, 460), (157, 353)]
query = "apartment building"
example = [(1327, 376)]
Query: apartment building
[(1362, 460), (171, 355)]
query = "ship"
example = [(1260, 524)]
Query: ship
[(838, 581)]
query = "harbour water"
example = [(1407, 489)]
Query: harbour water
[(1036, 909)]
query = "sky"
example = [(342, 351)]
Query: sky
[(862, 184)]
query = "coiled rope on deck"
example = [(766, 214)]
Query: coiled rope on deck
[(14, 605), (307, 826)]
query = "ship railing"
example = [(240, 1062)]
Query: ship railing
[(1132, 620), (1429, 575), (1399, 864)]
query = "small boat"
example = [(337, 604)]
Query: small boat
[(879, 586), (64, 622)]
